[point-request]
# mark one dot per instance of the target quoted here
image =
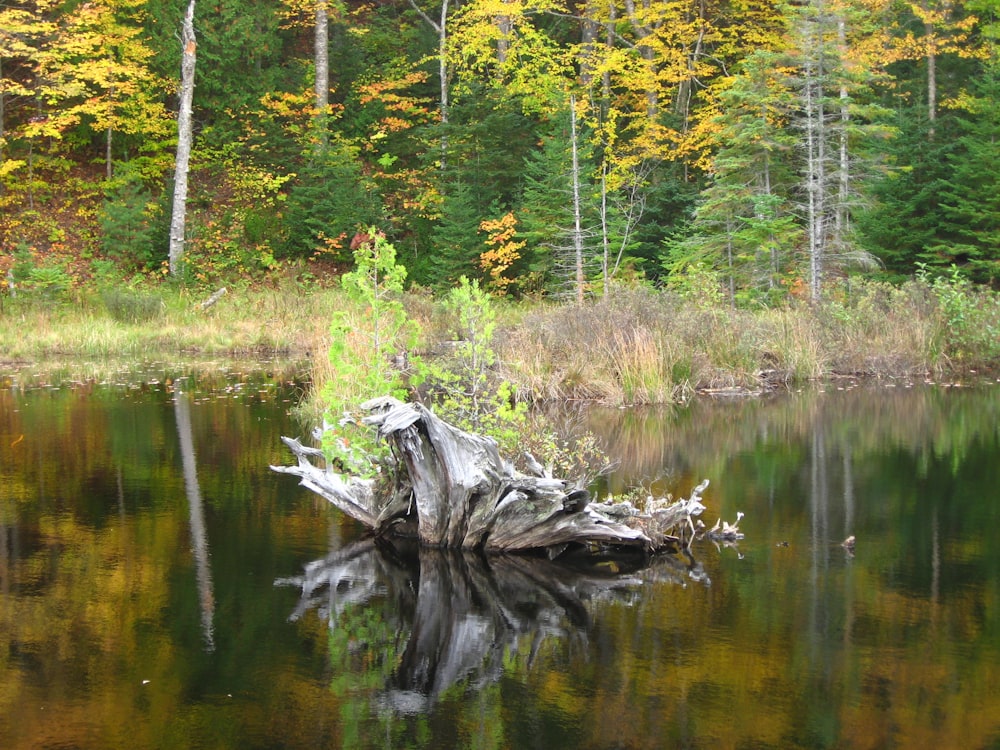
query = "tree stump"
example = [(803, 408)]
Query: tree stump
[(453, 490)]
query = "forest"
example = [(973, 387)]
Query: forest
[(546, 148)]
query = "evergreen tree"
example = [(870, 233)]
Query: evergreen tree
[(970, 197), (745, 225), (456, 239), (329, 202), (904, 217), (559, 214), (127, 221)]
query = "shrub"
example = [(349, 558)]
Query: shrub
[(126, 306), (127, 222)]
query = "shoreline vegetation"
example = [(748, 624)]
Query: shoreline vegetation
[(635, 345)]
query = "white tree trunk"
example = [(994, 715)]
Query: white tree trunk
[(577, 219), (322, 64), (931, 77), (442, 30), (441, 27), (184, 137)]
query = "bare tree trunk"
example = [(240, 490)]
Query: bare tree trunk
[(605, 239), (842, 215), (506, 26), (179, 214), (443, 75), (815, 179), (441, 27), (814, 71), (577, 219), (3, 122), (108, 164), (322, 64), (931, 79)]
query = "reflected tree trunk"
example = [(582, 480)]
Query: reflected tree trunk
[(199, 537), (463, 614)]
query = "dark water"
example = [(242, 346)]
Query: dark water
[(161, 588)]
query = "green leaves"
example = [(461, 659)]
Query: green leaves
[(369, 340)]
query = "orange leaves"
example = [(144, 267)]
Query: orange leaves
[(402, 109), (503, 253)]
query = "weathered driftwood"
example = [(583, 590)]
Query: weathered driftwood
[(454, 490), (216, 296)]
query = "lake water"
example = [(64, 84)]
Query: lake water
[(160, 587)]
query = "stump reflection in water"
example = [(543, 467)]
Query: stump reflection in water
[(458, 614)]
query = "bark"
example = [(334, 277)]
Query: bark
[(322, 61), (184, 137), (452, 489), (577, 219)]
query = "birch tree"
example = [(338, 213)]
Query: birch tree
[(440, 27), (321, 86), (184, 138)]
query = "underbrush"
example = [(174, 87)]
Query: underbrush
[(634, 346), (643, 346)]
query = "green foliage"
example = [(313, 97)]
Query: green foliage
[(36, 280), (970, 316), (128, 306), (457, 237), (328, 201), (697, 283), (969, 201), (370, 341), (464, 389), (744, 224), (474, 401), (905, 218), (127, 222)]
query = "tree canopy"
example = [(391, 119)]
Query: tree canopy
[(780, 145)]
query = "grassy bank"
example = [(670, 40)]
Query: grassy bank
[(642, 346), (137, 324), (635, 346)]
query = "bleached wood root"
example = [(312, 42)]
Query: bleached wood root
[(454, 490)]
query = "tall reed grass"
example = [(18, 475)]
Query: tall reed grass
[(289, 321), (642, 346), (633, 346)]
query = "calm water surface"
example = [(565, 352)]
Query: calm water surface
[(161, 588)]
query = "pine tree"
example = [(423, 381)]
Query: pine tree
[(457, 238), (329, 201), (559, 218), (970, 198), (745, 225)]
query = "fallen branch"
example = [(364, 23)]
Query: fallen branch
[(216, 296)]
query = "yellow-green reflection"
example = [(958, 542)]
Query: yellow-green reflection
[(130, 617)]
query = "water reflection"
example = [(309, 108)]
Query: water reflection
[(455, 616), (794, 645), (199, 537)]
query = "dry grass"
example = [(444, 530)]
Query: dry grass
[(642, 346), (635, 346)]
